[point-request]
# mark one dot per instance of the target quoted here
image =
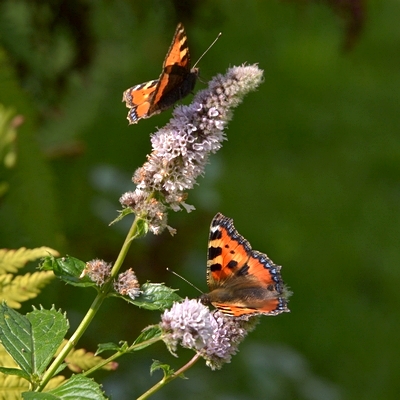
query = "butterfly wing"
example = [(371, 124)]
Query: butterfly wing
[(139, 99), (176, 80), (242, 281)]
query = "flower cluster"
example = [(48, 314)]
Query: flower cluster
[(127, 284), (228, 333), (97, 270), (187, 323), (181, 149), (214, 335)]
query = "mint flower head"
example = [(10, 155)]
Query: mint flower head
[(181, 149), (187, 323), (228, 333), (127, 284), (213, 335), (98, 271)]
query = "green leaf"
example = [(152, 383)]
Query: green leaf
[(167, 370), (77, 387), (111, 347), (123, 213), (155, 296), (68, 269), (148, 333), (49, 328), (32, 340), (15, 335), (15, 371)]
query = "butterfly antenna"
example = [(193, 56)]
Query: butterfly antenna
[(209, 47), (180, 276)]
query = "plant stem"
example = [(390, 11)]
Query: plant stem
[(169, 378), (120, 353), (72, 342), (133, 232)]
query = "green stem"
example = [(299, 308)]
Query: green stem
[(169, 378), (133, 232), (72, 342), (120, 353)]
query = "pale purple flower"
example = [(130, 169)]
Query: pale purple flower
[(97, 270), (182, 148), (213, 335), (187, 323), (228, 333), (127, 284)]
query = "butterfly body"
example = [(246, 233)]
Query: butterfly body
[(242, 281), (176, 81)]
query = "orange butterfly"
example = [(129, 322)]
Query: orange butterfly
[(176, 81), (242, 281)]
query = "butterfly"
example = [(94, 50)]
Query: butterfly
[(243, 282), (176, 81)]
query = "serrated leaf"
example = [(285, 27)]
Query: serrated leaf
[(155, 296), (68, 269), (166, 369), (48, 330), (77, 387), (13, 260), (33, 339), (23, 287), (15, 335)]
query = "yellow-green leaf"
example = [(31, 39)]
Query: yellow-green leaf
[(12, 260), (54, 382), (12, 386), (23, 287)]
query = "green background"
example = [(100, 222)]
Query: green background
[(310, 174)]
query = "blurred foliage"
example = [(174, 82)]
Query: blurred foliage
[(8, 135), (310, 175)]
